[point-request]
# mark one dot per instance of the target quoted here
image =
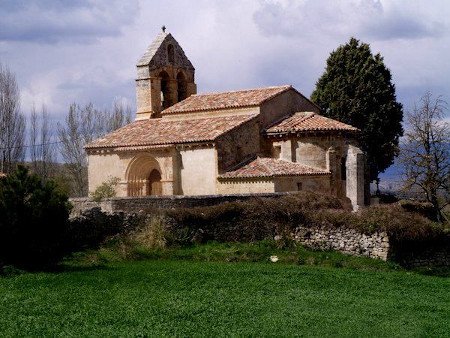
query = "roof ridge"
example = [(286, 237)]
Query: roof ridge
[(272, 172), (309, 116), (335, 120), (153, 48), (244, 90)]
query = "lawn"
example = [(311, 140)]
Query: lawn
[(189, 298)]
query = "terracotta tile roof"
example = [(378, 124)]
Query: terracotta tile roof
[(270, 167), (161, 131), (233, 99), (308, 121)]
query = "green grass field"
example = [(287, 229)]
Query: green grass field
[(189, 298)]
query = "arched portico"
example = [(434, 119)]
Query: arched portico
[(144, 176)]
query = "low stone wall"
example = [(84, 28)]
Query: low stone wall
[(345, 240), (137, 204)]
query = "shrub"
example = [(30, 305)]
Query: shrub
[(152, 235), (423, 208), (33, 220), (247, 221), (401, 226), (106, 189), (90, 229)]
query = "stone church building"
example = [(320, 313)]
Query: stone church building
[(260, 140)]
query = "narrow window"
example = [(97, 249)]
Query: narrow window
[(343, 169), (170, 54), (238, 153), (299, 186)]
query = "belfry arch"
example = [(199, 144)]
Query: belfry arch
[(144, 176), (181, 86), (165, 76), (165, 90)]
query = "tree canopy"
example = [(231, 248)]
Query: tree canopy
[(33, 222), (356, 88)]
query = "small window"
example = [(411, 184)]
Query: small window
[(238, 153), (299, 186), (343, 169), (170, 53), (276, 151)]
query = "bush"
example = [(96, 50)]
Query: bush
[(106, 189), (423, 208), (33, 220), (400, 225), (247, 221), (93, 227)]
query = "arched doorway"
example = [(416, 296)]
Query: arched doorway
[(144, 176), (182, 86), (154, 183)]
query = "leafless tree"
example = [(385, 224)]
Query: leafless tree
[(34, 148), (12, 122), (426, 155), (119, 116), (82, 125), (42, 150)]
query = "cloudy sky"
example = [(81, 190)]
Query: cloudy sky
[(65, 51)]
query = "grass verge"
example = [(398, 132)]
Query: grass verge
[(186, 298)]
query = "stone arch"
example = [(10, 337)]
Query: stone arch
[(165, 90), (182, 86), (144, 176)]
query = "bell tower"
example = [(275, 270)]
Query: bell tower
[(165, 76)]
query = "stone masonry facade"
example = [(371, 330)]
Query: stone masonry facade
[(262, 140)]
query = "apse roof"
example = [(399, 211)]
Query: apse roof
[(271, 167), (308, 121)]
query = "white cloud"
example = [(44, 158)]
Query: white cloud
[(372, 19), (232, 44), (80, 21)]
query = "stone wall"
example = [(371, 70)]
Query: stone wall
[(136, 204), (349, 241), (346, 240)]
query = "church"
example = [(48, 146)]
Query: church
[(261, 140)]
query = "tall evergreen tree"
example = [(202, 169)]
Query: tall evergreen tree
[(356, 88)]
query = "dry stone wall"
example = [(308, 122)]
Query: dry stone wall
[(137, 204), (345, 240)]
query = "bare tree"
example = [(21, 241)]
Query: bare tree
[(82, 125), (34, 148), (426, 155), (12, 122), (42, 150), (119, 116)]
